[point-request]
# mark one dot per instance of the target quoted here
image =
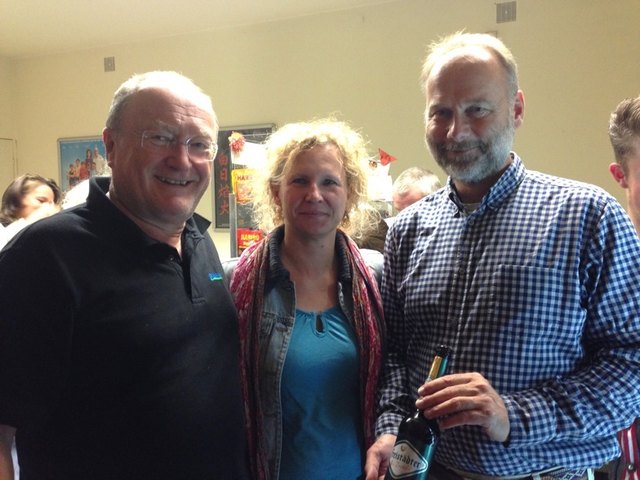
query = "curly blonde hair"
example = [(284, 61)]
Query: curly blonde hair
[(283, 148)]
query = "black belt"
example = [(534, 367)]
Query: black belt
[(440, 472)]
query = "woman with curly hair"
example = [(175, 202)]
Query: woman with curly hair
[(309, 309)]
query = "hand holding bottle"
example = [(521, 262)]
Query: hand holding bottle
[(465, 399), (418, 435), (378, 455)]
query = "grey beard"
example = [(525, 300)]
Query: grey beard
[(491, 160)]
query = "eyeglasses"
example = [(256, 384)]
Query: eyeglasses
[(199, 149)]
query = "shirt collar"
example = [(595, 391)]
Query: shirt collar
[(502, 189), (196, 226)]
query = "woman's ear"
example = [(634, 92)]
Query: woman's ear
[(275, 193)]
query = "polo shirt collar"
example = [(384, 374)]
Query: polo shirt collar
[(97, 201)]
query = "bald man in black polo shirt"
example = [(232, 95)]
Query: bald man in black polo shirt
[(118, 339)]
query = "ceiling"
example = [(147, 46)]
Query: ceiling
[(43, 27)]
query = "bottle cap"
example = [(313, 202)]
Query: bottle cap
[(443, 351)]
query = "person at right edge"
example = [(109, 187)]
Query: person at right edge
[(532, 280), (624, 133)]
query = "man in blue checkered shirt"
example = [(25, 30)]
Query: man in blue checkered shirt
[(533, 280)]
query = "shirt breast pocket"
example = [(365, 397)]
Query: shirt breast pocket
[(535, 315)]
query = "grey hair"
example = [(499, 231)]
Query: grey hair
[(462, 40), (416, 178), (170, 80)]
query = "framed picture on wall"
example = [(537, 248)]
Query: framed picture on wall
[(80, 158), (222, 166)]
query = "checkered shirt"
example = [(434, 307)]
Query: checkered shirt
[(539, 291)]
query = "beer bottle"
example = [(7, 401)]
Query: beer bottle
[(417, 436)]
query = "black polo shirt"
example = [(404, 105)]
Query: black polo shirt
[(118, 359)]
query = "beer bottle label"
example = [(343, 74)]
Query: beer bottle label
[(406, 461)]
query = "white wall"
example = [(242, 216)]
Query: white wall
[(7, 136), (577, 59)]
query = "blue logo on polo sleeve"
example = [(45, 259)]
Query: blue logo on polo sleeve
[(213, 276)]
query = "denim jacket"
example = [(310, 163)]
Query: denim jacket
[(278, 316)]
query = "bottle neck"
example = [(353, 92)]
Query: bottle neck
[(438, 366)]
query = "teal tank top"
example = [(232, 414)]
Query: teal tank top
[(322, 426)]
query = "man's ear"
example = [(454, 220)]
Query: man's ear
[(518, 109), (109, 144), (618, 174)]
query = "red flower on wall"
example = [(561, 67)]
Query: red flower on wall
[(236, 142)]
